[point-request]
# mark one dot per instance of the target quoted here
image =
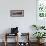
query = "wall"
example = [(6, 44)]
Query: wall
[(24, 23)]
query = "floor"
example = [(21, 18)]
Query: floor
[(13, 44)]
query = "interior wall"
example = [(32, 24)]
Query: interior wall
[(24, 23)]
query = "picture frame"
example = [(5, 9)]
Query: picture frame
[(17, 13)]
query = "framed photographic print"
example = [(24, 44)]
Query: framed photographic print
[(41, 12), (41, 8), (17, 13)]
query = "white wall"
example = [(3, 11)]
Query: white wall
[(24, 23)]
